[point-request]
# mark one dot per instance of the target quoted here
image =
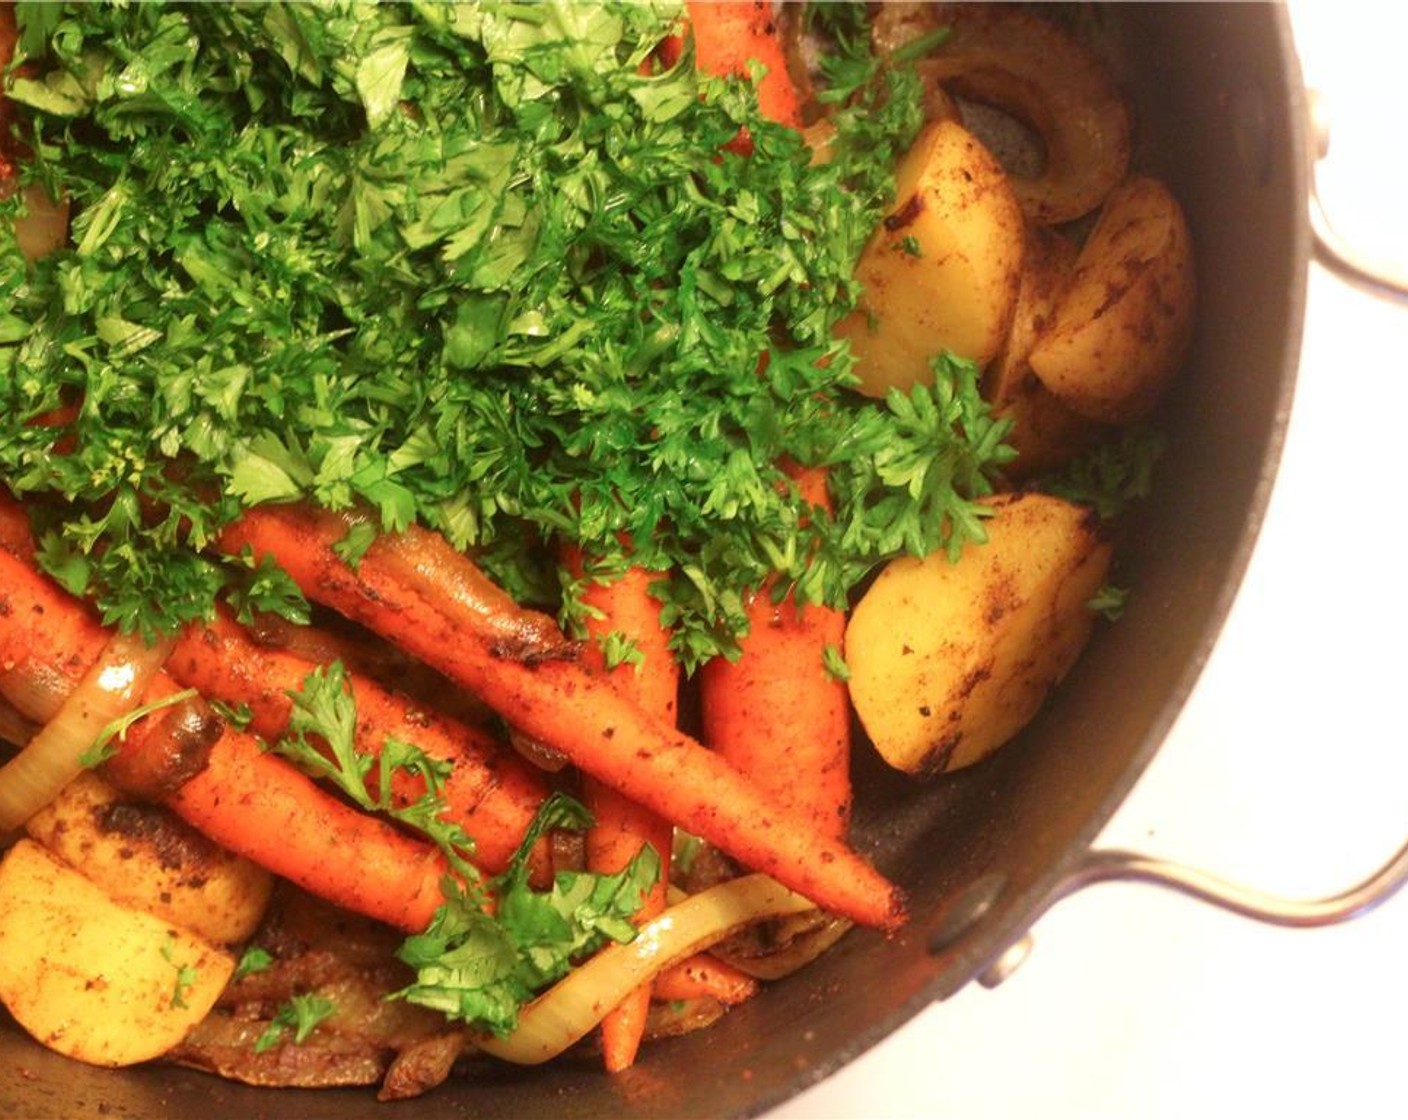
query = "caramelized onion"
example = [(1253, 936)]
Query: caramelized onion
[(569, 1010), (107, 692), (1028, 67)]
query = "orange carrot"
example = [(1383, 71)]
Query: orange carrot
[(255, 804), (15, 533), (731, 34), (622, 827), (259, 806), (576, 711), (702, 976), (490, 792), (777, 713)]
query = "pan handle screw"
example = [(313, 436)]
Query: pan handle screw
[(1007, 962)]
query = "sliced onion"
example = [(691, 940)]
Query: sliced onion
[(35, 689), (107, 692), (567, 1012), (14, 728), (800, 940)]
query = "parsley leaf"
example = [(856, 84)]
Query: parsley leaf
[(482, 969), (321, 740), (300, 1014)]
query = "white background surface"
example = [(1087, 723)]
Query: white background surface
[(1288, 769)]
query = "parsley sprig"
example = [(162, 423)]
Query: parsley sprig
[(321, 740), (482, 969)]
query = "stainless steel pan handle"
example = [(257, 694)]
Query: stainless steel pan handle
[(1116, 865), (1352, 261)]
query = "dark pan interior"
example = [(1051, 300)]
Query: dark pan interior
[(1221, 116)]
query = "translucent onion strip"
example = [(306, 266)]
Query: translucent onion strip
[(107, 692), (569, 1010)]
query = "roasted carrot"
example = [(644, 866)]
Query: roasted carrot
[(255, 804), (777, 713), (730, 35), (15, 533), (702, 976), (578, 712), (258, 806), (490, 792), (621, 827)]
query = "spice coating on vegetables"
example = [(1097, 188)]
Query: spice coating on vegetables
[(481, 406)]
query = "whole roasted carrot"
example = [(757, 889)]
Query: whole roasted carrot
[(490, 792), (576, 711), (778, 713), (253, 803), (621, 828)]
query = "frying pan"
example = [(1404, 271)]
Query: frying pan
[(1221, 117)]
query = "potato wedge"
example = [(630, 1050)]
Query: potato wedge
[(91, 979), (949, 660), (1045, 433), (149, 859), (1125, 322), (942, 271)]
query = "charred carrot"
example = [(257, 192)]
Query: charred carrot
[(626, 607), (778, 713), (704, 976), (489, 792), (576, 711), (15, 533), (255, 804)]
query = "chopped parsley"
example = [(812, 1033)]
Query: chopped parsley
[(300, 1014), (480, 266), (253, 959), (476, 962), (186, 974), (321, 740), (481, 969)]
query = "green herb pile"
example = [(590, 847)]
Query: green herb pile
[(473, 963), (479, 266)]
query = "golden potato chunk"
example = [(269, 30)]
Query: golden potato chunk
[(949, 660), (941, 272), (1126, 319), (148, 858), (1045, 433), (90, 978)]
